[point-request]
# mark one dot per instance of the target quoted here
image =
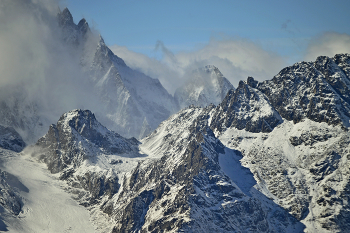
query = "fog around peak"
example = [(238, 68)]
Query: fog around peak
[(37, 67)]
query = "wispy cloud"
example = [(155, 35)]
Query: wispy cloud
[(327, 44), (167, 75), (237, 58)]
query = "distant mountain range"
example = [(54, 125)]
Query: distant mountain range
[(128, 101), (269, 156)]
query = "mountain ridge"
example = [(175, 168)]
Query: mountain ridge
[(238, 166), (270, 156)]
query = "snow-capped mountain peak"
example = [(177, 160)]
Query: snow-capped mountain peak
[(78, 136), (205, 86)]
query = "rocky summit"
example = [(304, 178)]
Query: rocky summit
[(316, 90)]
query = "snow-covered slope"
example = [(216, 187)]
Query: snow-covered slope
[(205, 86), (272, 156), (182, 187), (128, 97), (89, 158), (237, 167), (206, 164), (302, 167), (34, 201), (175, 180)]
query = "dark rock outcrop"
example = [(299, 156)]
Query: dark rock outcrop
[(78, 136), (316, 90), (9, 197), (10, 139), (245, 108)]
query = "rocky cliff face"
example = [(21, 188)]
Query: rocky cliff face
[(83, 151), (10, 139), (315, 90), (301, 164), (295, 165), (10, 199), (245, 108), (185, 188)]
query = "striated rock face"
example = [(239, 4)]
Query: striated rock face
[(77, 146), (205, 86), (245, 108), (10, 200), (10, 139), (316, 90)]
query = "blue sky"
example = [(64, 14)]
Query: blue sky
[(287, 30)]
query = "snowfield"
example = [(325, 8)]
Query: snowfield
[(47, 207)]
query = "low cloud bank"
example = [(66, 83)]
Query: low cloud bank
[(236, 58)]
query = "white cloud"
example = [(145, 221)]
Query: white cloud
[(236, 58), (328, 44), (152, 67), (34, 61)]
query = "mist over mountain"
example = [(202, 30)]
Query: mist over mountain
[(204, 86), (41, 75), (74, 68), (89, 144)]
